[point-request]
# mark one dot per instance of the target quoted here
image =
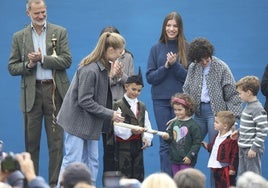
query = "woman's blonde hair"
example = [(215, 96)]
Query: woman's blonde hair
[(106, 40)]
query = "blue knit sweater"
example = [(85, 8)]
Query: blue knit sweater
[(165, 82)]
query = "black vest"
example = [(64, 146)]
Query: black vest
[(130, 117)]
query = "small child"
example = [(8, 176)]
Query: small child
[(183, 134), (130, 143), (223, 160), (253, 126)]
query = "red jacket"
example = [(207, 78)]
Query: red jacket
[(227, 153)]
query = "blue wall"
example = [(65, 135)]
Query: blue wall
[(238, 29)]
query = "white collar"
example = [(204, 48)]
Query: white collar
[(226, 134), (129, 100)]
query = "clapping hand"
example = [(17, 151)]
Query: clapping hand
[(171, 59), (116, 69)]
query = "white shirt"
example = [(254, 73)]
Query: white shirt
[(213, 162), (125, 133), (204, 93)]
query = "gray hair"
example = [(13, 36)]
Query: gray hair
[(251, 180), (29, 3)]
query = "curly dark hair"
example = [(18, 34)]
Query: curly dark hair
[(187, 99), (200, 48)]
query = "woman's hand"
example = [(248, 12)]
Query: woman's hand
[(117, 117), (116, 69), (171, 59)]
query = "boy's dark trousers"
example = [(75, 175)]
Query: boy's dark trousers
[(222, 177)]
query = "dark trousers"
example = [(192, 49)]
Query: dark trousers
[(222, 177), (130, 159), (109, 157), (43, 109)]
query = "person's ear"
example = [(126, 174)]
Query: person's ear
[(125, 86), (249, 93), (225, 126)]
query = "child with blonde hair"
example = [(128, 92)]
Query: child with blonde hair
[(223, 160)]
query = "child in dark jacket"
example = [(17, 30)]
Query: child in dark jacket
[(223, 160), (183, 134)]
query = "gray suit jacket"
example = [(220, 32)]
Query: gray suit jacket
[(22, 44), (84, 110)]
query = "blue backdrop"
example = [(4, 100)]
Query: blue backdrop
[(238, 29)]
